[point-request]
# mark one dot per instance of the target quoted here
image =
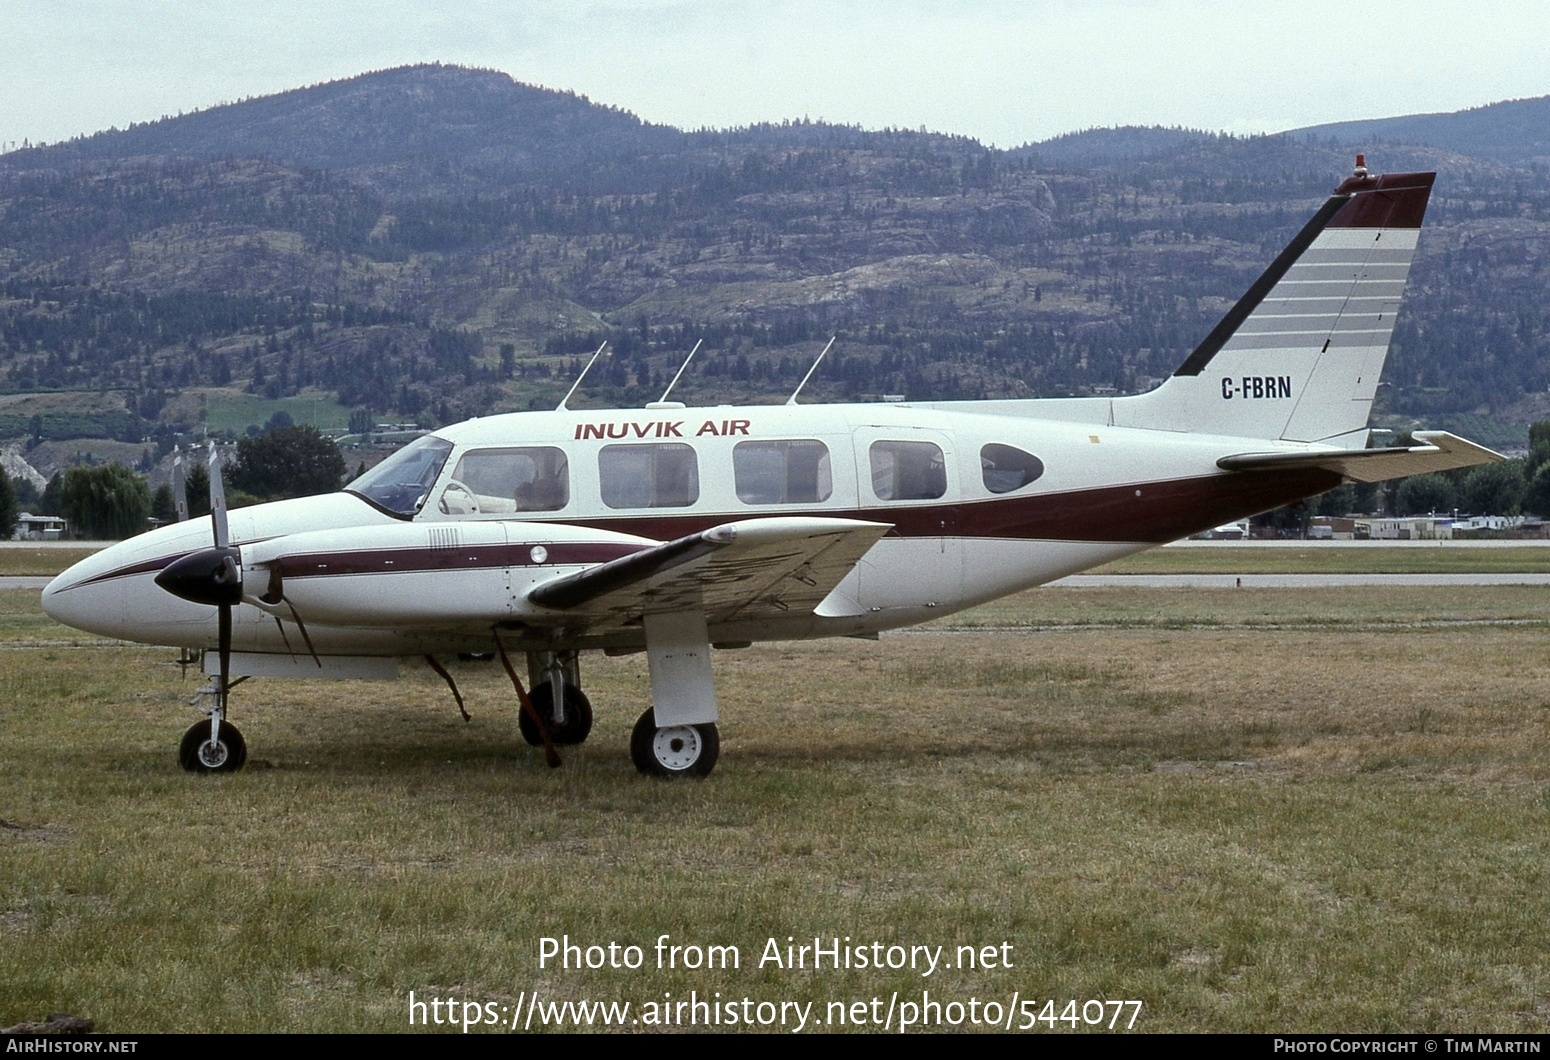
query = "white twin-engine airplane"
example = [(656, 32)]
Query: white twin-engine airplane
[(674, 530)]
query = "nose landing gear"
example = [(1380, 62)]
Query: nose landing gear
[(226, 753)]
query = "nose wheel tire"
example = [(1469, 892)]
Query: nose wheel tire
[(674, 751), (198, 755), (578, 716)]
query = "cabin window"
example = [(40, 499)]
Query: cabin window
[(908, 471), (1007, 468), (782, 472), (400, 483), (649, 476), (504, 481)]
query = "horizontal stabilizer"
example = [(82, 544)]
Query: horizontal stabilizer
[(752, 569), (1439, 451)]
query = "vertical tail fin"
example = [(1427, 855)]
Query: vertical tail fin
[(1298, 357)]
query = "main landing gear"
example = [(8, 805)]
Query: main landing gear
[(570, 726), (677, 737), (674, 750), (569, 721)]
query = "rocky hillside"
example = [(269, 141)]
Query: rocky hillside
[(432, 242)]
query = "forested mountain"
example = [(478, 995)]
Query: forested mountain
[(1515, 131), (435, 242)]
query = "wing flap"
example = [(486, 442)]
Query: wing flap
[(1439, 451), (752, 569)]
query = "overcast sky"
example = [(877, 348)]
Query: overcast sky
[(1003, 71)]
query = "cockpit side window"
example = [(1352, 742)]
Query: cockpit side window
[(796, 472), (400, 484), (649, 476), (504, 481), (1006, 468), (908, 471)]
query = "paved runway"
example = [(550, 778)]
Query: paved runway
[(1286, 581)]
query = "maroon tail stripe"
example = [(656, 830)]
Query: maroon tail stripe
[(1394, 200)]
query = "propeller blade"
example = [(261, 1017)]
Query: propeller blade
[(218, 500), (225, 650), (179, 486)]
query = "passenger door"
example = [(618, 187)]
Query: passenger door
[(908, 476)]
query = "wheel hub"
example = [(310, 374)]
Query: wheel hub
[(677, 748), (213, 755)]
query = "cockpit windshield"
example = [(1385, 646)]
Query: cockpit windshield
[(401, 483)]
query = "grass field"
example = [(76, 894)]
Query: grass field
[(1339, 824), (1446, 558), (18, 559), (230, 409)]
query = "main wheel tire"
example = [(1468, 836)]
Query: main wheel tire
[(674, 751), (578, 716), (197, 755)]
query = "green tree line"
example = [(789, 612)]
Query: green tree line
[(110, 501)]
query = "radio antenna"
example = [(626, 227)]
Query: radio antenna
[(792, 400), (561, 406), (680, 372)]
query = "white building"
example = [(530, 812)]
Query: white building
[(39, 528)]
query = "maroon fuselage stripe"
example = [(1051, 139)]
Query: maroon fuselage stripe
[(447, 558), (1152, 512), (150, 566)]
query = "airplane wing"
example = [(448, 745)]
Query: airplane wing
[(753, 569), (1439, 451)]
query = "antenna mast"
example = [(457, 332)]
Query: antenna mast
[(792, 400), (680, 372), (561, 406)]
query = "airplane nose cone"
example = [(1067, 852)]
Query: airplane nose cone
[(51, 597), (74, 600)]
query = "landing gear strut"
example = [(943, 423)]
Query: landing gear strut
[(213, 745), (677, 737)]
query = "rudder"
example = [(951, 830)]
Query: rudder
[(1299, 356)]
